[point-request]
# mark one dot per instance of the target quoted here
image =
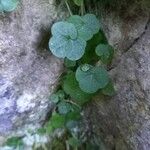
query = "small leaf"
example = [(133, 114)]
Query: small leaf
[(73, 116), (64, 108), (72, 88), (74, 142), (41, 131), (14, 142), (93, 79), (105, 52), (69, 63), (89, 56), (56, 121), (66, 42), (71, 125), (58, 96), (78, 2), (109, 89), (86, 26), (9, 5)]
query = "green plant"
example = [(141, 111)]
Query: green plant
[(15, 142), (8, 5), (86, 52)]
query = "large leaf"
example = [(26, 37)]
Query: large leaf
[(71, 87), (9, 5), (65, 41), (87, 25), (91, 79), (105, 52)]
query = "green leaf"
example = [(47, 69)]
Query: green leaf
[(109, 89), (91, 79), (89, 55), (14, 142), (78, 2), (73, 116), (41, 131), (71, 87), (9, 5), (56, 121), (68, 63), (87, 25), (77, 21), (72, 125), (74, 142), (58, 96), (105, 52), (66, 42), (64, 108), (1, 7)]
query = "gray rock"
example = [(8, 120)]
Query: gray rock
[(123, 122), (28, 71)]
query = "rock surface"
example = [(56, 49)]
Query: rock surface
[(29, 74), (124, 120), (28, 71)]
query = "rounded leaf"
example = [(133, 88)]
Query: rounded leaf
[(65, 42), (93, 79), (9, 5), (64, 108), (87, 25), (65, 29), (76, 20), (58, 96), (71, 87), (92, 22), (105, 52)]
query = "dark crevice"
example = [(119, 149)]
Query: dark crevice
[(132, 44)]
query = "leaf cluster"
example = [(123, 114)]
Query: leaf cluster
[(86, 52)]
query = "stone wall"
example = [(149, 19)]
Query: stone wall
[(28, 71)]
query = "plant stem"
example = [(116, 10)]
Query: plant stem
[(67, 146), (68, 7), (82, 8), (71, 102)]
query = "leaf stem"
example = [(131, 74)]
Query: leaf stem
[(68, 7), (71, 102), (82, 8)]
